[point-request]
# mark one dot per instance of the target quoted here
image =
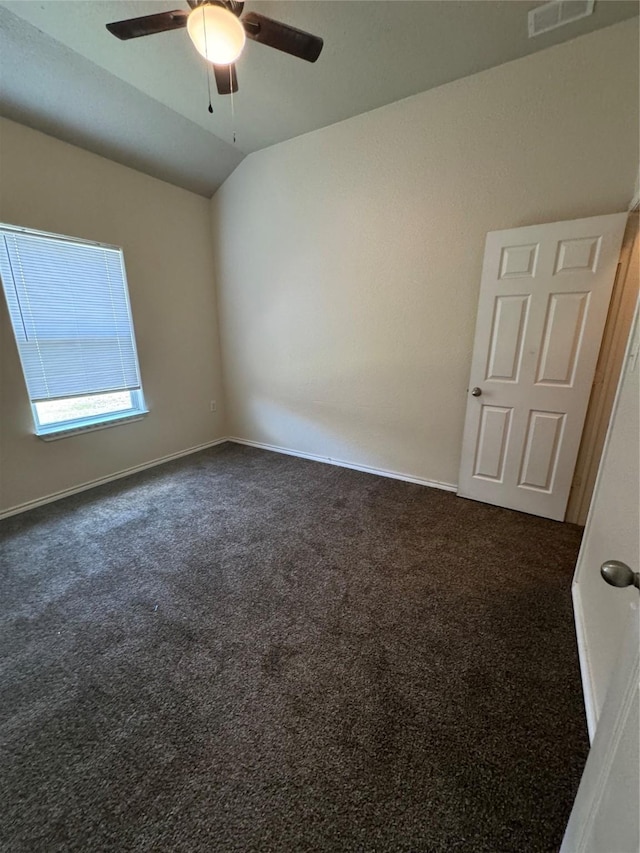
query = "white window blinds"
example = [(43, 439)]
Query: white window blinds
[(70, 312)]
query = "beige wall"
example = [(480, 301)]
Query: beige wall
[(165, 234), (347, 266), (348, 259)]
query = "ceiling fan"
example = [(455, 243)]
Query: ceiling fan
[(219, 30)]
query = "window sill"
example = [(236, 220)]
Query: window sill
[(69, 430)]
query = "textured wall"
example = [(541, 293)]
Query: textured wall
[(348, 260), (165, 234)]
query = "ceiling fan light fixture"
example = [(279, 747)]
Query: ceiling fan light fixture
[(216, 33)]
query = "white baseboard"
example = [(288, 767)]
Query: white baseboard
[(83, 487), (367, 469), (14, 510), (585, 666)]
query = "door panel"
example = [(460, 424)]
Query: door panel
[(507, 338), (518, 261), (492, 443), (544, 297), (540, 459), (578, 255), (564, 327)]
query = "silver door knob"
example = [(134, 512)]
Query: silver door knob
[(476, 392), (619, 574)]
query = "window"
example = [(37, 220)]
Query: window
[(70, 313)]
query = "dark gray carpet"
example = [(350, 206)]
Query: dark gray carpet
[(242, 651)]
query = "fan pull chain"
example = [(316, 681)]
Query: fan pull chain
[(209, 85), (233, 110), (206, 50)]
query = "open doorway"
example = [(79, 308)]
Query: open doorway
[(608, 368)]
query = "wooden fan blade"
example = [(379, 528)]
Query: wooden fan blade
[(148, 25), (282, 36), (226, 79)]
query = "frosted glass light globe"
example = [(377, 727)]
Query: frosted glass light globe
[(217, 34)]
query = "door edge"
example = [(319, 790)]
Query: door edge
[(586, 674)]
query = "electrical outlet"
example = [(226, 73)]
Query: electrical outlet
[(213, 406)]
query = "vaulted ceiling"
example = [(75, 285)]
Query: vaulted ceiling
[(144, 102)]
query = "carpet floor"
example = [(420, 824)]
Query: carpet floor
[(243, 652)]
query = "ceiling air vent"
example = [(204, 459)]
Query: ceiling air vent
[(557, 14)]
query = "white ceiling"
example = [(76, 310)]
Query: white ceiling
[(144, 102)]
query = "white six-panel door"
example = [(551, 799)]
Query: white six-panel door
[(544, 297)]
